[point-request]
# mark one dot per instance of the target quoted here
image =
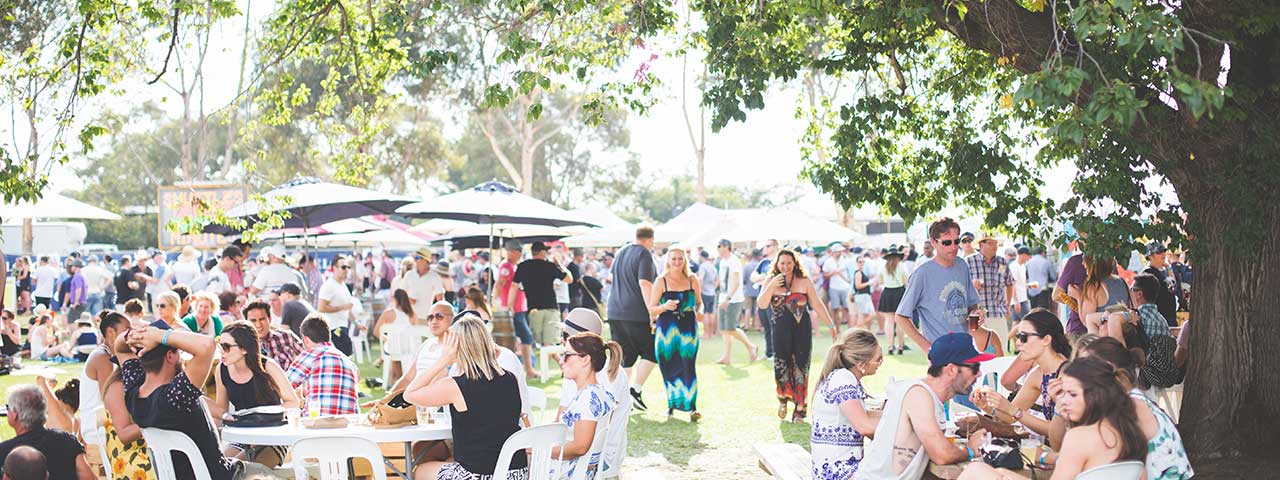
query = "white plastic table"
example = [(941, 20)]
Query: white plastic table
[(286, 435)]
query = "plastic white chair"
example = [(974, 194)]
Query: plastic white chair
[(1131, 470), (597, 446), (102, 451), (331, 455), (537, 404), (614, 470), (162, 443), (544, 358), (540, 438), (991, 370), (1169, 399)]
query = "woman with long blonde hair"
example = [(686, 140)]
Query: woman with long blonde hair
[(840, 420), (483, 401), (675, 302)]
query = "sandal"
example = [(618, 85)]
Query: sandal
[(798, 416), (695, 416), (782, 411), (755, 353)]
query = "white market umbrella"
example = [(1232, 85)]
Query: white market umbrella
[(53, 205), (602, 237), (376, 238), (692, 220), (493, 202), (314, 203), (755, 225), (602, 217)]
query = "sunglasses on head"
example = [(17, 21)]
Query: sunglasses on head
[(465, 313), (1023, 336)]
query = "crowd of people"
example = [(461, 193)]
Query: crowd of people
[(283, 328)]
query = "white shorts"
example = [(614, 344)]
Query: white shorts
[(863, 302)]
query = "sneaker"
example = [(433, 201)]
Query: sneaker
[(639, 403)]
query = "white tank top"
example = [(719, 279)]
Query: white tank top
[(40, 343), (90, 402), (877, 460)]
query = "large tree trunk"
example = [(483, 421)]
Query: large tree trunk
[(1231, 399)]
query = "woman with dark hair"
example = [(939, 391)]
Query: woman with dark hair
[(1166, 457), (399, 313), (585, 355), (246, 379), (123, 438), (894, 281), (1039, 340), (22, 274), (477, 302), (789, 294), (1104, 429), (1102, 289)]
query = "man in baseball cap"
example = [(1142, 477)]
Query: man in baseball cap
[(954, 366)]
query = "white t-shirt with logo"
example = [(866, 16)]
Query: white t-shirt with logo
[(729, 266)]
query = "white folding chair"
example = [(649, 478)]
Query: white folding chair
[(1169, 399), (391, 349), (162, 443), (991, 371), (1131, 470), (330, 456), (544, 358), (106, 459), (540, 439), (584, 472), (537, 404)]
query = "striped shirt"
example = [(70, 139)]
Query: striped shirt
[(330, 378)]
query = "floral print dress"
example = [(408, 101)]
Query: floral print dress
[(592, 403), (128, 462), (1166, 458), (836, 445)]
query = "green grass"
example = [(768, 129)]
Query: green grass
[(737, 403)]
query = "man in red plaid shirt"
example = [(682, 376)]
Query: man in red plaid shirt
[(327, 376), (279, 343)]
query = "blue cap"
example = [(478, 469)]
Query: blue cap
[(955, 348)]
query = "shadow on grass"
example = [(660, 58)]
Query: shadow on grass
[(733, 372), (797, 433), (675, 439)]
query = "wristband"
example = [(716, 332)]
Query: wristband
[(969, 451), (165, 340), (1043, 455)]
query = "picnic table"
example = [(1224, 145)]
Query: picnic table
[(950, 472), (286, 435)]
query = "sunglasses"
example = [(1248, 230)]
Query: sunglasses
[(345, 267), (436, 316), (1023, 336), (465, 313), (226, 347), (971, 366), (966, 240), (947, 243), (565, 356)]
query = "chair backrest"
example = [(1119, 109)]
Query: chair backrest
[(1131, 470), (597, 446), (540, 439), (992, 370), (162, 443), (102, 451), (330, 456), (537, 404)]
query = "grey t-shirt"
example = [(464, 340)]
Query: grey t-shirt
[(707, 274), (633, 264), (939, 298)]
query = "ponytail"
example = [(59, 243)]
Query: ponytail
[(615, 358), (854, 348)]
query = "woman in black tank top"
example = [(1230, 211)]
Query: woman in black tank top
[(246, 379), (483, 400)]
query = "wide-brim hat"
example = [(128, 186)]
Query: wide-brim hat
[(581, 320), (893, 251)]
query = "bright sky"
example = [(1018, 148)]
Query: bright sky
[(763, 150)]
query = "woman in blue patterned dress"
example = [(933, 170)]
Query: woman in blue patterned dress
[(584, 356), (840, 420), (676, 302)]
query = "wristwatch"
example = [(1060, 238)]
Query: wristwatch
[(1017, 414)]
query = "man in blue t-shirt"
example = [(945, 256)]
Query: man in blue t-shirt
[(939, 294)]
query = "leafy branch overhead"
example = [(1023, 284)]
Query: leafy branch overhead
[(970, 100)]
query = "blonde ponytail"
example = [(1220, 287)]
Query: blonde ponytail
[(854, 348), (615, 358)]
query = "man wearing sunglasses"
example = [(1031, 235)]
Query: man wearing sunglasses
[(939, 294), (910, 433), (335, 303)]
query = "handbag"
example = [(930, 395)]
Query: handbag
[(1003, 453), (264, 416), (393, 411), (599, 306)]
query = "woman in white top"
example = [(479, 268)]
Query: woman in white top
[(894, 281), (840, 420), (584, 356), (400, 314), (44, 341)]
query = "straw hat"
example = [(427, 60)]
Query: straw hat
[(188, 254)]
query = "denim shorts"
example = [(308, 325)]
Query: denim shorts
[(520, 322)]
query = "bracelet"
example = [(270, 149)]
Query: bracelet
[(165, 340), (969, 451), (1043, 455)]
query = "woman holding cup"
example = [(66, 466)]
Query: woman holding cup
[(676, 301), (789, 294), (1041, 341)]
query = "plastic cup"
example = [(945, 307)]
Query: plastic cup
[(293, 416), (424, 416)]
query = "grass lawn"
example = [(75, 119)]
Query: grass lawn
[(737, 403)]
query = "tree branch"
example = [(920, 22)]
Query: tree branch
[(173, 43), (497, 150)]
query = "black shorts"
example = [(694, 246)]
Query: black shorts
[(636, 339)]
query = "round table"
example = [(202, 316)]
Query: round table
[(286, 435)]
